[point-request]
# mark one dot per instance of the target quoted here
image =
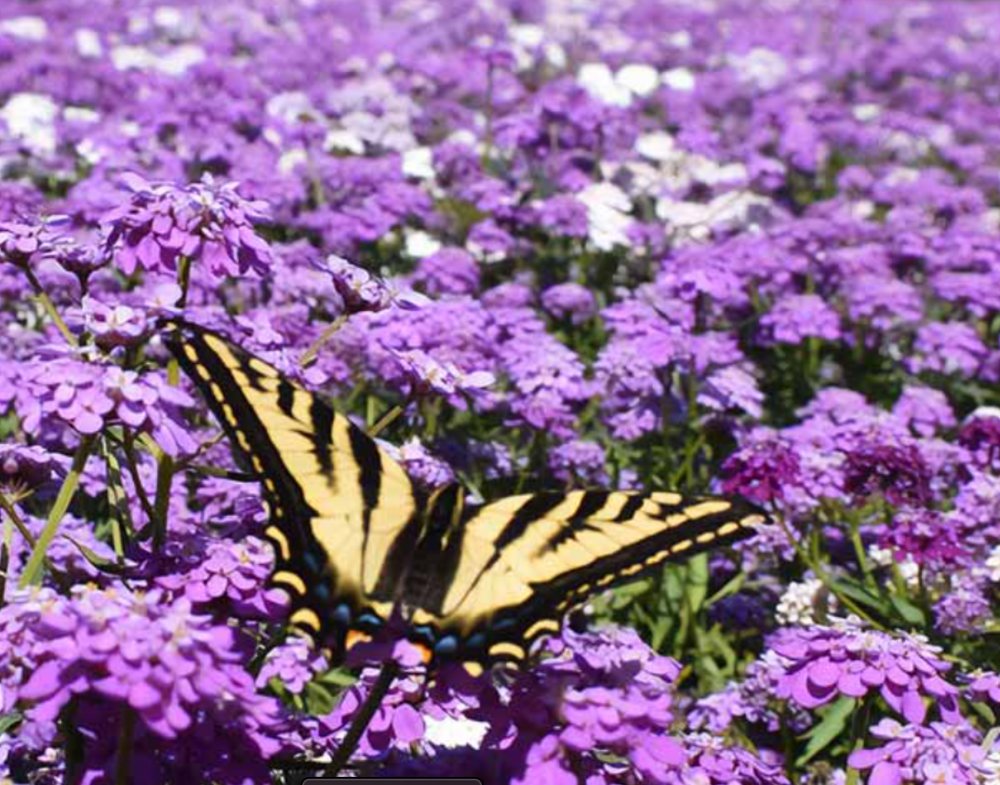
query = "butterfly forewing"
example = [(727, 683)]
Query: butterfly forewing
[(338, 502)]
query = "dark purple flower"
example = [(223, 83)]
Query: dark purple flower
[(980, 435), (761, 471), (926, 536), (898, 472)]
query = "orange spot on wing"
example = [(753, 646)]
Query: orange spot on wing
[(354, 637)]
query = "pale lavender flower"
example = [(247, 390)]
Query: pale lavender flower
[(794, 318), (947, 347), (426, 375), (570, 301), (113, 325), (924, 409), (949, 754), (294, 664), (203, 221)]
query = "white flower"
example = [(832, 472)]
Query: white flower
[(799, 601), (993, 565), (291, 107), (28, 28), (419, 163), (908, 568), (598, 80), (608, 216), (451, 732), (88, 43), (172, 62), (656, 146), (762, 67), (680, 79), (343, 139), (638, 78), (30, 117), (420, 244)]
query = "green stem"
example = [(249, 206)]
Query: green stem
[(364, 716), (859, 732), (310, 354), (5, 545), (386, 420), (11, 511), (125, 734), (73, 745), (50, 307), (133, 469), (184, 279), (816, 566), (164, 479), (32, 574)]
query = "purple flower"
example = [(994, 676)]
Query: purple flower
[(947, 347), (884, 302), (358, 289), (965, 607), (796, 317), (22, 243), (824, 663), (233, 574), (141, 649), (421, 464), (732, 387), (711, 762), (293, 663), (569, 301), (980, 435), (448, 271), (425, 375), (761, 471), (579, 461), (203, 221), (924, 409), (925, 536), (926, 754), (898, 472), (25, 468), (113, 325)]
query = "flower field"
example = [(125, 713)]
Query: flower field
[(734, 247)]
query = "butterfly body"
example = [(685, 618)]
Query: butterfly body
[(358, 546)]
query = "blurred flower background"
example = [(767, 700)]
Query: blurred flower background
[(740, 246)]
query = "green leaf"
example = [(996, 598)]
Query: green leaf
[(861, 596), (319, 699), (105, 565), (341, 677), (909, 612), (8, 721), (732, 586), (697, 582), (822, 735)]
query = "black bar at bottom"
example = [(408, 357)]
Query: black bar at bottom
[(393, 781)]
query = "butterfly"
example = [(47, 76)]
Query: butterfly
[(357, 541)]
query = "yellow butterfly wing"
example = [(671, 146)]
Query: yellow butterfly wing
[(338, 502), (512, 568)]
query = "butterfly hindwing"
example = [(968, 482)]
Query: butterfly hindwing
[(338, 502), (525, 560)]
